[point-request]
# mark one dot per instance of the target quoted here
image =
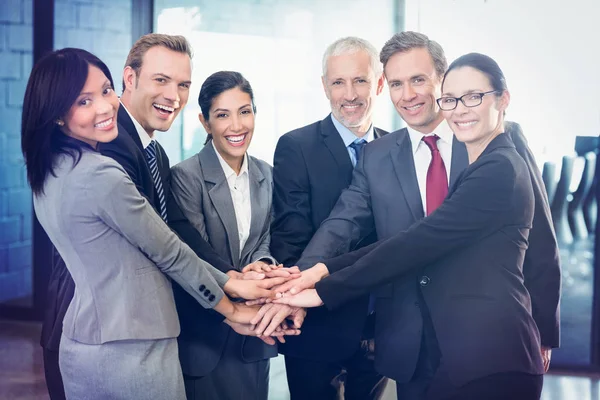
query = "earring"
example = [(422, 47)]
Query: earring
[(59, 122)]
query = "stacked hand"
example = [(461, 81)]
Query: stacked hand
[(298, 291), (254, 282)]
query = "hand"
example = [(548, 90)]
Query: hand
[(249, 330), (307, 280), (306, 298), (252, 289), (271, 316), (250, 275), (236, 312), (260, 266), (271, 271), (546, 355)]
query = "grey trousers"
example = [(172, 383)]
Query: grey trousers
[(121, 370)]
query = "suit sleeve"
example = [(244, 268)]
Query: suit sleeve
[(186, 219), (123, 209), (349, 222), (542, 264), (292, 226), (476, 209), (262, 252)]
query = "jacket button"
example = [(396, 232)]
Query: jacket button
[(211, 298), (202, 287), (424, 280), (207, 292)]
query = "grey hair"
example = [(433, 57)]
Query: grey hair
[(350, 45), (405, 41)]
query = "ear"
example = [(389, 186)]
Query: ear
[(204, 123), (325, 87), (129, 77), (380, 84), (504, 101)]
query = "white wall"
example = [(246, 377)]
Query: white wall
[(277, 46), (548, 50)]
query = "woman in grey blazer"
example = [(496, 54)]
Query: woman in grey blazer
[(226, 196), (119, 331)]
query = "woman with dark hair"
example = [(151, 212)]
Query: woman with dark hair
[(119, 331), (226, 196), (469, 253)]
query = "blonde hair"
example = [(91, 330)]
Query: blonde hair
[(176, 43)]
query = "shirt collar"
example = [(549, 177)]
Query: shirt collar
[(144, 137), (229, 172), (348, 136), (443, 131)]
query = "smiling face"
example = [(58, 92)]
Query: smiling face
[(351, 87), (414, 87), (231, 124), (92, 118), (159, 92), (479, 124)]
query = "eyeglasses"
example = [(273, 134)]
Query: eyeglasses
[(469, 100)]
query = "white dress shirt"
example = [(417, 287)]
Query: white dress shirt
[(144, 137), (349, 137), (239, 186), (422, 155)]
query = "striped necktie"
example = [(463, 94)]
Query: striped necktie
[(357, 146), (153, 164)]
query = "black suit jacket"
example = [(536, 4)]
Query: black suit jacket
[(469, 254), (384, 195), (311, 168)]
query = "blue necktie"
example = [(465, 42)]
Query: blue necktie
[(357, 146), (152, 163)]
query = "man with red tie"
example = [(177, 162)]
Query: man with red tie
[(405, 176)]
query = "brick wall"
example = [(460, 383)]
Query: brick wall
[(100, 26), (15, 197)]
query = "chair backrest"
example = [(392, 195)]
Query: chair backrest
[(549, 178)]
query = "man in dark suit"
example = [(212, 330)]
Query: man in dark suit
[(156, 82), (312, 165), (397, 197)]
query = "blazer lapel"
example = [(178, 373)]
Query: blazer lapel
[(460, 160), (259, 204), (404, 166), (125, 121), (220, 196), (378, 132), (335, 144)]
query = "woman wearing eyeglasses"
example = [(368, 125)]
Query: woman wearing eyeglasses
[(469, 252)]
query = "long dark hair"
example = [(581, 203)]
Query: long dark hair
[(218, 83), (54, 85)]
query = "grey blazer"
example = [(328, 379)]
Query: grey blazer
[(120, 254), (200, 189)]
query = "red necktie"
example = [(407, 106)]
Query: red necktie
[(437, 181)]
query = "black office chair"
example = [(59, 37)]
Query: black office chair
[(575, 206), (549, 178), (590, 208), (560, 201)]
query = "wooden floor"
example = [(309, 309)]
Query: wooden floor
[(22, 374)]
